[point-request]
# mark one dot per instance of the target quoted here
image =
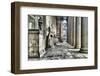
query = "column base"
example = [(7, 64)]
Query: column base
[(84, 50)]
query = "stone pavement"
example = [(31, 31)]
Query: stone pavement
[(61, 52)]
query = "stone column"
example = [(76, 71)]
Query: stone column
[(58, 28), (64, 29), (84, 35), (74, 43), (71, 31), (78, 45)]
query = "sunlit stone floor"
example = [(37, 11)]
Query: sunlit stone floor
[(61, 51)]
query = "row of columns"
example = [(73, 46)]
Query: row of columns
[(74, 31), (78, 32)]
